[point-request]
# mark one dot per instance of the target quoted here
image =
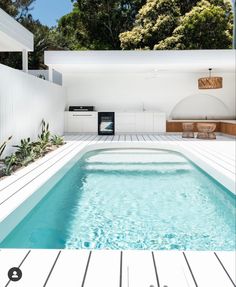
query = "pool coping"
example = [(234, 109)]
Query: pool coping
[(24, 184)]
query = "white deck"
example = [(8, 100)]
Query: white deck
[(110, 268), (75, 268)]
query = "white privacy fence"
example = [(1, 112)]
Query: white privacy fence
[(24, 101)]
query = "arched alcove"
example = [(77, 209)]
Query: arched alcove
[(201, 106)]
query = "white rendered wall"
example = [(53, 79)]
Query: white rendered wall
[(127, 92), (24, 101), (57, 77), (14, 36)]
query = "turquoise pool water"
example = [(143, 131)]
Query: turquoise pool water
[(131, 199)]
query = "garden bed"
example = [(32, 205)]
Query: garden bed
[(28, 152)]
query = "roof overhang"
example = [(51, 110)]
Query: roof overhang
[(13, 36), (140, 61)]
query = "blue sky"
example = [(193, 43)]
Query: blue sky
[(49, 11)]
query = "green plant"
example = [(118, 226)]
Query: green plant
[(44, 139), (41, 76), (45, 133), (57, 140), (3, 145), (25, 152), (24, 149), (38, 149), (10, 162)]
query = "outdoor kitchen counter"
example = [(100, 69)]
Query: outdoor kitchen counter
[(125, 122)]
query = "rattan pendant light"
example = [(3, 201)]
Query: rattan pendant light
[(210, 82)]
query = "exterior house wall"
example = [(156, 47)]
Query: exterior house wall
[(13, 36), (57, 77), (24, 101), (176, 94)]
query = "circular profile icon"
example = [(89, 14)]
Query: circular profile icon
[(14, 274)]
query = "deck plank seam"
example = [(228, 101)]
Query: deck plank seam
[(155, 270), (121, 268), (86, 269), (52, 268), (225, 270), (190, 269), (27, 254)]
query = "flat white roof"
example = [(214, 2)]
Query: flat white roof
[(140, 61), (13, 36)]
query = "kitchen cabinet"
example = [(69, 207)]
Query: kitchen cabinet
[(140, 122), (159, 122), (125, 122), (81, 122)]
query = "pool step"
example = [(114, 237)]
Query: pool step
[(136, 158), (144, 168)]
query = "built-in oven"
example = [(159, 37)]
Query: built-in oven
[(106, 123)]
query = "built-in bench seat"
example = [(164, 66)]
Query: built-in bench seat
[(223, 126)]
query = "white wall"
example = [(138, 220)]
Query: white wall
[(24, 101), (127, 92), (14, 36), (56, 76)]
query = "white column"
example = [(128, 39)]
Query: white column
[(25, 61), (50, 74)]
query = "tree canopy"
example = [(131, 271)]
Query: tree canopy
[(96, 24), (169, 24), (18, 8), (206, 26), (155, 21)]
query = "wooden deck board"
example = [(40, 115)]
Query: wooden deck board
[(228, 260), (138, 269), (69, 269), (9, 259), (53, 268), (103, 269), (31, 271), (172, 262), (207, 270)]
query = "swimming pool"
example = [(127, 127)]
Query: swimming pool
[(131, 199)]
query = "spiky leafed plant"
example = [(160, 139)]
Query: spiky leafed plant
[(45, 133), (25, 152), (57, 140), (10, 163), (44, 137), (3, 145)]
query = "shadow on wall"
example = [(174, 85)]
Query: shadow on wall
[(201, 106)]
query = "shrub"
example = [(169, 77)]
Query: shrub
[(3, 145), (28, 151), (10, 163), (57, 140)]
